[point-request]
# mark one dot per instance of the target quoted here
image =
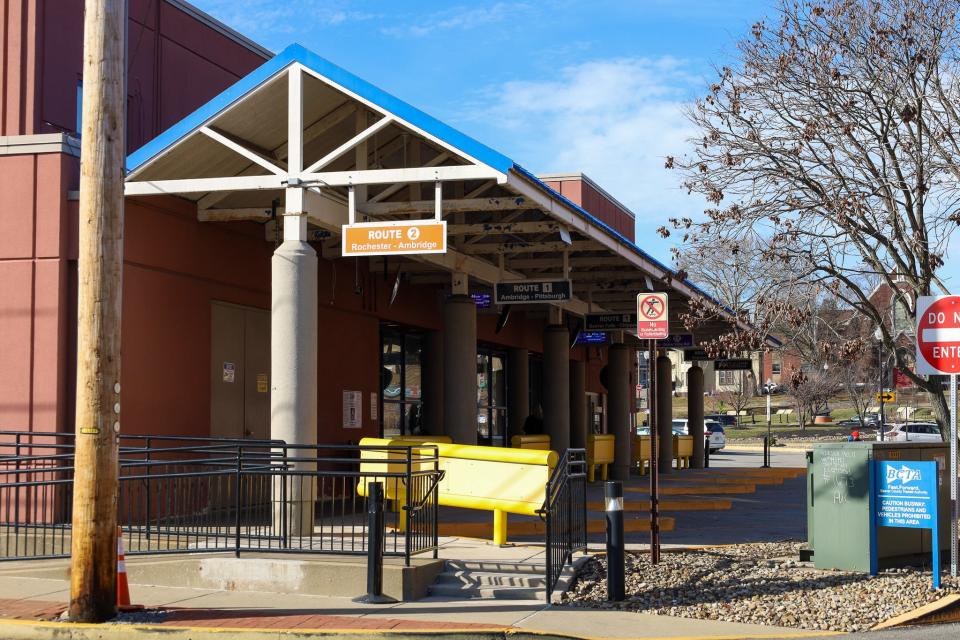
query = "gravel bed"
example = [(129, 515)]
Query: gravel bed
[(760, 584)]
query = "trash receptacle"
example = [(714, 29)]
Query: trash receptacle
[(838, 505)]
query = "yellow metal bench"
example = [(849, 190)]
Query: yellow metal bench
[(538, 441), (497, 479), (641, 453), (682, 450), (600, 452)]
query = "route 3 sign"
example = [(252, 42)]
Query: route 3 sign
[(652, 322), (938, 335)]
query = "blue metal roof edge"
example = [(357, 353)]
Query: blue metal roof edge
[(338, 75), (616, 234)]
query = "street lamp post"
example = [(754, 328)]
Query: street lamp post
[(879, 336)]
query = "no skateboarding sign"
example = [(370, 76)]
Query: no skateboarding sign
[(652, 323)]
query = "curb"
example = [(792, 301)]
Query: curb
[(31, 630), (946, 609)]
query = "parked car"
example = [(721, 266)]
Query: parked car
[(711, 428), (911, 432), (725, 420)]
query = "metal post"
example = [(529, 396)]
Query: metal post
[(237, 504), (654, 452), (953, 475), (706, 452), (375, 547), (768, 462), (613, 494), (880, 391)]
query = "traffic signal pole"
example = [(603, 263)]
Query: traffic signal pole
[(93, 559)]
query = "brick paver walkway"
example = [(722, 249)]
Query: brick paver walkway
[(243, 618)]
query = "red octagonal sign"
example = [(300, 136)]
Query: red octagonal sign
[(938, 334)]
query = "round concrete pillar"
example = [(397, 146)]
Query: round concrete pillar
[(293, 367), (460, 369), (665, 414), (518, 390), (695, 413), (433, 383), (578, 404), (556, 386), (618, 409)]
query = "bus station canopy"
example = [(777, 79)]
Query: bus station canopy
[(301, 122)]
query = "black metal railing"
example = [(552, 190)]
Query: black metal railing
[(565, 513), (187, 495)]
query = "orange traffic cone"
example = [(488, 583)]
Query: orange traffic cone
[(123, 587)]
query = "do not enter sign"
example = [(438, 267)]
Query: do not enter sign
[(938, 334)]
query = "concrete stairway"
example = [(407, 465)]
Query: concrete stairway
[(496, 580)]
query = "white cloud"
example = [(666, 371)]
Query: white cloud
[(458, 18), (615, 120)]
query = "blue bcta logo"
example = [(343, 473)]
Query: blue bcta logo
[(903, 475)]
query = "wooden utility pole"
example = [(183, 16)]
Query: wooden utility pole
[(93, 562)]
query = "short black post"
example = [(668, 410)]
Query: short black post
[(613, 494), (375, 547), (766, 452), (706, 452)]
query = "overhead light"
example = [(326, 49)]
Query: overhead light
[(565, 236)]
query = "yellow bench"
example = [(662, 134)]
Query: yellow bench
[(600, 451), (494, 479), (641, 453), (538, 441), (682, 450)]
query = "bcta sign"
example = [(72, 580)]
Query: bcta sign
[(652, 322), (938, 335)]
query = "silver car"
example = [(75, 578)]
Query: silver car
[(712, 428)]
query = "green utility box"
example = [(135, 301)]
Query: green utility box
[(838, 505)]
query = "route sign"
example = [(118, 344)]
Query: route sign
[(532, 291), (677, 341), (904, 494), (394, 238), (886, 396), (733, 364), (609, 321), (938, 334), (652, 322)]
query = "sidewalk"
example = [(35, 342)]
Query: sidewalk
[(34, 598)]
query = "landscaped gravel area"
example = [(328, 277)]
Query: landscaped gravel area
[(761, 584)]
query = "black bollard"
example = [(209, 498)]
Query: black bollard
[(613, 494), (375, 547), (766, 452), (706, 452)]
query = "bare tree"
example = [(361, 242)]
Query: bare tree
[(811, 390), (831, 143)]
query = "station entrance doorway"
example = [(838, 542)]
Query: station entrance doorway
[(239, 371)]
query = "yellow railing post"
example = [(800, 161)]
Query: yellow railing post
[(499, 527)]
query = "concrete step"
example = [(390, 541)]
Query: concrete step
[(497, 580)]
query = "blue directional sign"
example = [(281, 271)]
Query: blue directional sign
[(904, 494), (591, 337)]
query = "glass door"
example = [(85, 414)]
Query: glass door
[(401, 387), (492, 398)]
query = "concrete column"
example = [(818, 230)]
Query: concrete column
[(293, 361), (433, 383), (578, 404), (518, 389), (695, 413), (556, 386), (618, 408), (665, 414), (460, 369)]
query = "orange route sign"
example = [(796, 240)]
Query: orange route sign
[(394, 238), (652, 322)]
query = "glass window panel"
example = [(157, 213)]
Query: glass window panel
[(498, 382), (483, 386), (483, 424), (411, 360), (392, 418)]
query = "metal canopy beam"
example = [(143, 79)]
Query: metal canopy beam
[(449, 206)]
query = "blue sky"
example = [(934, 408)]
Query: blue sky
[(596, 86)]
